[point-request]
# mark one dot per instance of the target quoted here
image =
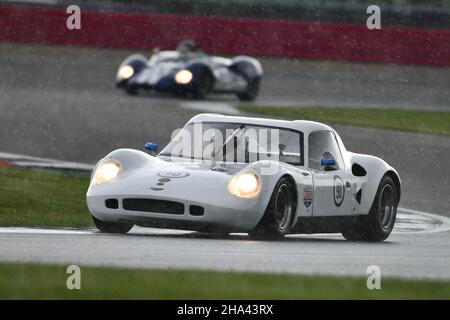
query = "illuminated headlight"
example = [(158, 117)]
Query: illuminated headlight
[(183, 76), (245, 185), (125, 72), (106, 172)]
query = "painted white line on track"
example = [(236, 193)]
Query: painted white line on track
[(70, 231), (30, 161), (417, 221), (24, 230), (213, 107)]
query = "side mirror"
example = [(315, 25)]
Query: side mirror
[(152, 147), (327, 162)]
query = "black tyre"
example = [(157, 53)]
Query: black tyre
[(251, 71), (277, 219), (203, 84), (131, 89), (112, 227), (378, 224), (252, 90), (219, 235)]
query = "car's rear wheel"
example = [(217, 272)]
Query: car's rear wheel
[(112, 227), (379, 223), (277, 219), (251, 71), (251, 92)]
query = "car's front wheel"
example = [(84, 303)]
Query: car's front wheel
[(277, 219), (379, 223), (202, 84), (131, 89), (112, 227)]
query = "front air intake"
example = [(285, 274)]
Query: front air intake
[(112, 203), (196, 210), (153, 205)]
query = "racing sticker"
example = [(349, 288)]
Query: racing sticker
[(307, 196), (338, 190)]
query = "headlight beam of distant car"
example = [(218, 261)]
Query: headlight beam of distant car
[(125, 72), (183, 76), (106, 172), (245, 185)]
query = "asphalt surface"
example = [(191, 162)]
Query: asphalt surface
[(419, 249), (337, 84), (59, 102)]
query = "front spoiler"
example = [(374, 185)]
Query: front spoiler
[(236, 217)]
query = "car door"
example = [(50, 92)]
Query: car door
[(332, 182)]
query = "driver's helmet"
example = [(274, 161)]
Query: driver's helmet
[(187, 46), (328, 156)]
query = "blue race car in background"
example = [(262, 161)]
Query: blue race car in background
[(190, 72)]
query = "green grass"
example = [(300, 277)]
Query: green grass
[(31, 198), (431, 122), (33, 281)]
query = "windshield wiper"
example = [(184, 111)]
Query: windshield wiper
[(214, 155)]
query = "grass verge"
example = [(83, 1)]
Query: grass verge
[(33, 198), (34, 281), (431, 122)]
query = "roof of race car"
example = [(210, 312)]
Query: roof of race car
[(175, 55), (301, 125)]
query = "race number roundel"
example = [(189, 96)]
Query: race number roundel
[(338, 190)]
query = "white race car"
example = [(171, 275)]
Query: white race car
[(268, 178)]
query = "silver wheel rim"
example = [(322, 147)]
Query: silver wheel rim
[(386, 212), (283, 207)]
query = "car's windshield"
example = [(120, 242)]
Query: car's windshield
[(236, 142), (165, 57)]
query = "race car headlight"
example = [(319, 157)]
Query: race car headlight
[(245, 185), (183, 76), (125, 72), (106, 172)]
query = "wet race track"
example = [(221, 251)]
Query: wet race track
[(60, 102), (418, 248)]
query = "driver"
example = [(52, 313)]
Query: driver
[(188, 49), (328, 156)]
